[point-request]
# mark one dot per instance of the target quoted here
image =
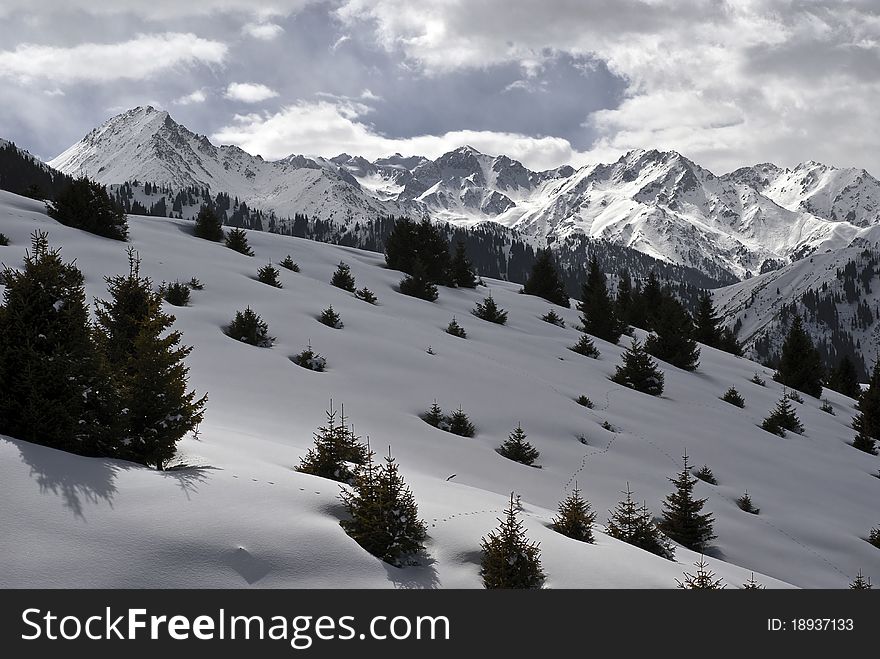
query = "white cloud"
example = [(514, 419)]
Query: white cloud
[(142, 57), (341, 40), (263, 31), (328, 128), (53, 92), (155, 9), (249, 92), (198, 96)]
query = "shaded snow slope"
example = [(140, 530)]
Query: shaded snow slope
[(246, 518)]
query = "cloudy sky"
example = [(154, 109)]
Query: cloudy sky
[(544, 81)]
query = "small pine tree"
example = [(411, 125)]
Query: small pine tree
[(827, 407), (758, 380), (366, 295), (455, 329), (795, 396), (575, 519), (585, 347), (861, 582), (195, 284), (682, 520), (509, 558), (733, 397), (459, 424), (553, 318), (544, 280), (330, 318), (489, 310), (343, 278), (336, 449), (800, 365), (248, 327), (86, 205), (782, 418), (237, 240), (745, 503), (751, 584), (269, 274), (208, 226), (435, 417), (704, 579), (461, 269), (516, 448), (4, 240), (705, 474), (874, 537), (176, 294), (417, 284), (598, 311), (638, 371), (310, 360), (867, 422), (633, 524), (384, 517), (583, 400), (707, 325), (289, 264)]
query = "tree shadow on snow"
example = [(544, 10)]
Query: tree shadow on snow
[(421, 575), (187, 477)]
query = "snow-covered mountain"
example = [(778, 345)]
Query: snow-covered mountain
[(240, 516), (750, 221)]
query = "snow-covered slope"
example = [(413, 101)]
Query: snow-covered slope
[(246, 518)]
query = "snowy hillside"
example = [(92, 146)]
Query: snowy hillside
[(241, 516)]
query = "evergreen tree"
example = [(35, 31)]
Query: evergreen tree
[(343, 278), (384, 515), (459, 424), (867, 422), (704, 579), (844, 378), (673, 338), (682, 520), (624, 300), (575, 519), (800, 365), (418, 284), (633, 524), (516, 448), (208, 225), (598, 313), (553, 318), (149, 373), (745, 503), (751, 584), (861, 582), (248, 327), (366, 295), (733, 397), (330, 318), (874, 537), (237, 240), (4, 240), (706, 475), (56, 386), (289, 264), (638, 371), (86, 205), (176, 294), (509, 558), (782, 418), (269, 274), (455, 329), (434, 416), (336, 449), (585, 347), (310, 359), (729, 343), (707, 324), (544, 281), (489, 310), (462, 270), (409, 242)]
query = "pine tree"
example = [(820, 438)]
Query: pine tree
[(336, 449), (553, 318), (638, 371), (633, 524), (575, 519), (459, 424), (516, 448), (248, 327), (269, 274), (706, 475), (729, 343), (751, 584), (544, 280), (455, 329), (585, 347), (800, 365), (424, 242), (489, 310), (56, 386), (874, 537), (707, 324), (682, 520), (782, 418), (598, 313), (745, 503), (462, 271), (289, 264), (733, 397), (366, 295), (4, 240), (208, 225), (867, 422), (237, 240), (844, 378), (861, 582), (434, 416), (310, 360), (704, 579), (384, 515), (176, 294), (417, 283), (86, 205), (330, 318), (673, 338), (509, 558), (624, 301), (149, 373), (343, 278)]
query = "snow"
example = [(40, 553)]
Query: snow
[(240, 515)]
